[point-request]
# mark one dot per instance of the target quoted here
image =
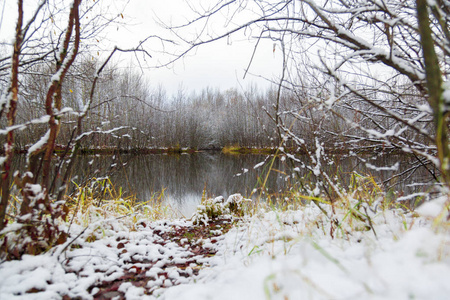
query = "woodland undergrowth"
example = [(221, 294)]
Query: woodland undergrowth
[(96, 204)]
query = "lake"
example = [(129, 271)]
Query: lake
[(184, 177)]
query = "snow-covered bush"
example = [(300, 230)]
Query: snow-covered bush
[(213, 208), (36, 231)]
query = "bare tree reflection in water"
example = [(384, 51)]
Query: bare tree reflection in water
[(183, 178)]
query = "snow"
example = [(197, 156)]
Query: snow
[(3, 100), (11, 228), (271, 255), (375, 133), (296, 266), (259, 165), (43, 140), (446, 96), (426, 108), (433, 209), (391, 168)]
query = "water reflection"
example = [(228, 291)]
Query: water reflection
[(184, 177)]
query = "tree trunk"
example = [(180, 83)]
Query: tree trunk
[(435, 89), (11, 117)]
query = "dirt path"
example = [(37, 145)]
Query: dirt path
[(157, 256)]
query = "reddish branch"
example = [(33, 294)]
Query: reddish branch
[(11, 116), (53, 99), (53, 102)]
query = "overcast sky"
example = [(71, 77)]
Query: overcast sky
[(220, 64), (217, 65)]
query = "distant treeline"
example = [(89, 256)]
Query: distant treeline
[(129, 113)]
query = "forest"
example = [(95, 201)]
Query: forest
[(143, 116), (365, 79)]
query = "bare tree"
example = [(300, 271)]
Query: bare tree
[(49, 58), (355, 72), (434, 76), (35, 198)]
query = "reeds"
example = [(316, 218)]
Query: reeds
[(100, 199), (237, 150)]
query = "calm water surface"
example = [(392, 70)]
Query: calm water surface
[(184, 177)]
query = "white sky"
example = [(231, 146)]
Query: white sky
[(218, 65)]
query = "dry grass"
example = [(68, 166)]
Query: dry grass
[(100, 199)]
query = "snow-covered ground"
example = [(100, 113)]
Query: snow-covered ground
[(290, 254), (285, 256)]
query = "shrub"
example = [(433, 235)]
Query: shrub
[(215, 208)]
